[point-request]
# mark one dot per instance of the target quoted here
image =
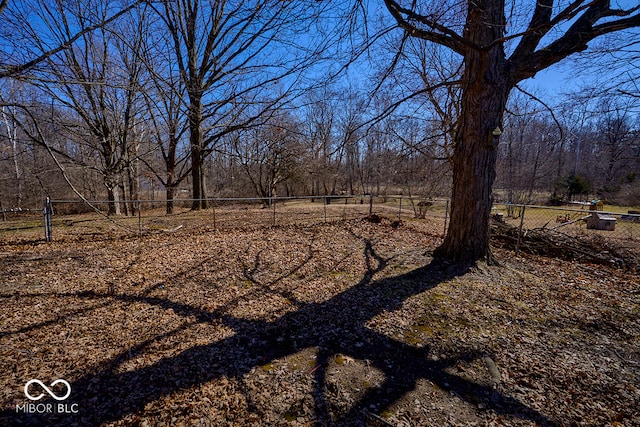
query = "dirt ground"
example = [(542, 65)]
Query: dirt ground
[(347, 323)]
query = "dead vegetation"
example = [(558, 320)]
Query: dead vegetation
[(554, 243), (332, 324)]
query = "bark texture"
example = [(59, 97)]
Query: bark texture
[(485, 90)]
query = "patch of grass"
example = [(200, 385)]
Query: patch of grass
[(425, 329), (337, 274), (386, 414)]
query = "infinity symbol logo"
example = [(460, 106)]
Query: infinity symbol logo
[(47, 389)]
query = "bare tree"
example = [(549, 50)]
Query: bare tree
[(422, 156), (268, 154), (11, 129), (167, 127), (352, 110), (95, 85), (131, 33), (167, 156), (499, 46), (322, 150), (532, 148), (226, 53), (68, 50), (617, 145)]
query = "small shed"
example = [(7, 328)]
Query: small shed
[(599, 221)]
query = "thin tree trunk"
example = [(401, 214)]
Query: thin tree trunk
[(13, 138), (170, 163), (195, 176), (133, 178), (125, 199), (203, 183)]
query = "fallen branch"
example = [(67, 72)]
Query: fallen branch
[(553, 243), (570, 222), (623, 360), (377, 418)]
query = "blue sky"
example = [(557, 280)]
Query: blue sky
[(555, 81)]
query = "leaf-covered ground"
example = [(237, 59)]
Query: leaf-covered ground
[(331, 324)]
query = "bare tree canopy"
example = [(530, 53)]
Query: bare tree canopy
[(21, 27), (266, 42)]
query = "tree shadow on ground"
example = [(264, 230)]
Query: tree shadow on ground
[(108, 395)]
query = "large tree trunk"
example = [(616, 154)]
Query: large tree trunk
[(485, 89), (169, 191), (111, 183), (197, 158), (114, 201), (198, 179)]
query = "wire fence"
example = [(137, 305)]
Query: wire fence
[(61, 218), (73, 217), (581, 221)]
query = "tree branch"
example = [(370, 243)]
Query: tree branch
[(526, 62), (439, 34), (548, 108), (14, 70), (391, 108)]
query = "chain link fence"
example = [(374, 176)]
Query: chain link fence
[(60, 218), (580, 221), (16, 220)]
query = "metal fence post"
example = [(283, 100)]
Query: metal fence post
[(520, 228), (273, 202), (446, 217), (213, 205), (139, 208), (47, 220), (324, 201)]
